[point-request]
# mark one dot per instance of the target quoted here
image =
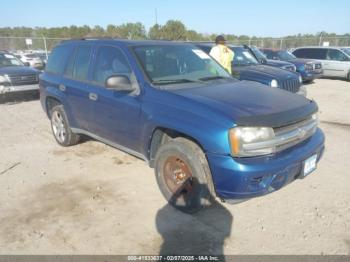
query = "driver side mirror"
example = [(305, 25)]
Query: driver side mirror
[(119, 83)]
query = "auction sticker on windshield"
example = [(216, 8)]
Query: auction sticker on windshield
[(201, 54), (9, 56), (310, 165)]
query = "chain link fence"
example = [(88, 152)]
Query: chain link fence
[(293, 42), (15, 44), (24, 44)]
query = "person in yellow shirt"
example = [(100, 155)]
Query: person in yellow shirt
[(221, 53)]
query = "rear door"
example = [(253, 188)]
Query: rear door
[(76, 88), (337, 63), (115, 114)]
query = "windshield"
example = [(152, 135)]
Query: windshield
[(9, 60), (285, 55), (243, 57), (176, 64), (346, 50), (258, 53)]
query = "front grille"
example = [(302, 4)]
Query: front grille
[(318, 66), (291, 85), (294, 134), (24, 79), (309, 67)]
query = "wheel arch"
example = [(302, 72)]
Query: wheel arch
[(50, 103), (161, 135)]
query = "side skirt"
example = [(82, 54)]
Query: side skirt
[(110, 143)]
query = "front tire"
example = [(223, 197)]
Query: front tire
[(61, 129), (183, 175)]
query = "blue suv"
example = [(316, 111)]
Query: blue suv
[(205, 133)]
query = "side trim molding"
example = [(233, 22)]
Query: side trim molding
[(110, 143)]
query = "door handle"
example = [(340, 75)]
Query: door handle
[(93, 96), (62, 87)]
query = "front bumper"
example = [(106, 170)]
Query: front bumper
[(310, 75), (20, 88), (244, 178)]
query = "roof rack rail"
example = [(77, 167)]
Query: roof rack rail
[(92, 38)]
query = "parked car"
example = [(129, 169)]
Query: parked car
[(276, 63), (33, 60), (309, 69), (205, 133), (246, 67), (43, 57), (15, 76), (335, 60)]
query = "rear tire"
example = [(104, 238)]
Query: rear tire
[(183, 175), (60, 127)]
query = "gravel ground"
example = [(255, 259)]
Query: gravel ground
[(93, 199)]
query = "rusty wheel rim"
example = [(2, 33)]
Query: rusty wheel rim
[(178, 176)]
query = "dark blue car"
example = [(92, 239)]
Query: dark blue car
[(245, 66), (205, 133), (276, 63), (309, 69)]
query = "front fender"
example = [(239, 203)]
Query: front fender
[(211, 137)]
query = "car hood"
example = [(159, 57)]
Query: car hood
[(18, 70), (278, 63), (263, 72), (251, 104), (301, 61)]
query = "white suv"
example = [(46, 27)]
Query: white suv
[(335, 60), (33, 60)]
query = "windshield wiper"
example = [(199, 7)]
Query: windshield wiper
[(209, 78), (174, 81)]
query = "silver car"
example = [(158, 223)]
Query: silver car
[(335, 60)]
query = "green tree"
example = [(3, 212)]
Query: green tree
[(131, 31), (155, 32), (174, 30)]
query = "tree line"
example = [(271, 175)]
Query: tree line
[(171, 30)]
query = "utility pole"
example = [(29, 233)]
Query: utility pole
[(45, 46), (156, 16), (320, 41)]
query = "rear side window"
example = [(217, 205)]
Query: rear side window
[(81, 63), (336, 55), (312, 53), (58, 59), (110, 61)]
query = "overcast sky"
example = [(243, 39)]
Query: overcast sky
[(255, 17)]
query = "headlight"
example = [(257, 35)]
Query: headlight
[(274, 83), (300, 79), (249, 141)]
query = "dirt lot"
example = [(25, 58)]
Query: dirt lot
[(93, 199)]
